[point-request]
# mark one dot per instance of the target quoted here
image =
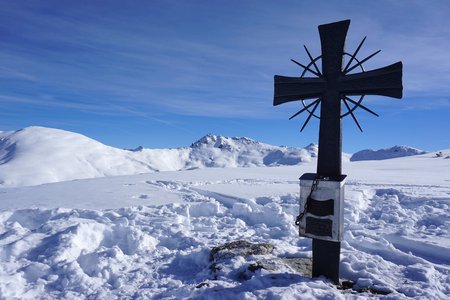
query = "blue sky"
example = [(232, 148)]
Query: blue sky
[(165, 73)]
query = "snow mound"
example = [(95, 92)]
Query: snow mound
[(37, 155), (393, 152)]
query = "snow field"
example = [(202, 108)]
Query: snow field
[(396, 241), (390, 232)]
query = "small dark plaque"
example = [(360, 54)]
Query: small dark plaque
[(321, 208), (319, 227)]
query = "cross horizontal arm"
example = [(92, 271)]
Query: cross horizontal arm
[(296, 88), (385, 81)]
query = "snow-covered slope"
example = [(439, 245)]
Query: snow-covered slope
[(37, 155), (393, 152)]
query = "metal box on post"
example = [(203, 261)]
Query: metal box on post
[(321, 207)]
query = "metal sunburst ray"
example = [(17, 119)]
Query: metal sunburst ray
[(362, 106), (310, 115), (313, 61), (304, 108), (353, 56), (362, 61), (305, 67), (351, 113)]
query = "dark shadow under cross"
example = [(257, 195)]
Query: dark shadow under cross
[(333, 84)]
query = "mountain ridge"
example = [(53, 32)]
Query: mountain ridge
[(387, 153), (36, 155)]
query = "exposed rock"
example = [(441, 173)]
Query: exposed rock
[(242, 260), (302, 265), (239, 248)]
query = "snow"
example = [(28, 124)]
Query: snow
[(37, 155), (393, 152), (149, 236)]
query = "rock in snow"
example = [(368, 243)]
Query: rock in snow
[(394, 152)]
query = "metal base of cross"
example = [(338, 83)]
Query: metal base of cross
[(326, 256)]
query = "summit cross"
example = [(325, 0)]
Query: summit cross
[(331, 86)]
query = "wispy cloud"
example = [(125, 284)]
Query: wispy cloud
[(181, 58)]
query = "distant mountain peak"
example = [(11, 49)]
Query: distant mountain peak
[(313, 149), (387, 153), (223, 142)]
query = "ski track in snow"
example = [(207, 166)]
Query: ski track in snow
[(396, 240)]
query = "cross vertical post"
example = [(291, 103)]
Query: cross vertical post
[(328, 88), (326, 254)]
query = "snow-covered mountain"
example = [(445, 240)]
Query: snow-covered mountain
[(393, 152), (36, 155), (219, 151)]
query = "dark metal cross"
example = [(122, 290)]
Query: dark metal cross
[(332, 85)]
